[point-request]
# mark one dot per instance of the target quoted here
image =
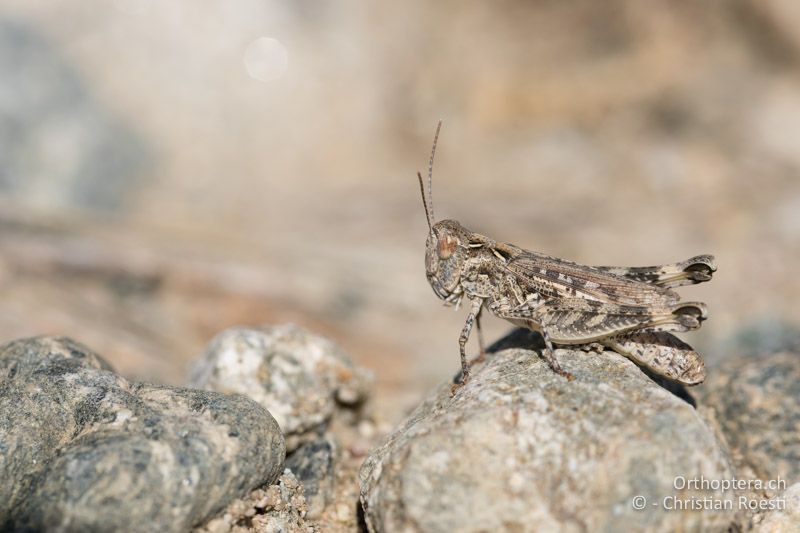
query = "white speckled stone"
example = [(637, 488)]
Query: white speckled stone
[(519, 448), (301, 378)]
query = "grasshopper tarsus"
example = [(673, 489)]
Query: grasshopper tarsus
[(592, 347), (571, 304), (478, 360), (461, 380), (552, 362)]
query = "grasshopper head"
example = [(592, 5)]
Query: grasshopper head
[(446, 248), (445, 252)]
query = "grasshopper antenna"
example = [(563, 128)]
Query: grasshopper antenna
[(429, 196), (428, 214), (430, 166)]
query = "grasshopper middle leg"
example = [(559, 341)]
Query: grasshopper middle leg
[(481, 344), (549, 355)]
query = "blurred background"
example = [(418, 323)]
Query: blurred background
[(172, 168)]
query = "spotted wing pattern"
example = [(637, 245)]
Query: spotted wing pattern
[(556, 278)]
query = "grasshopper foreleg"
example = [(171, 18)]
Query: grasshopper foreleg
[(474, 313)]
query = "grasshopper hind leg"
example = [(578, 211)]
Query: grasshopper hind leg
[(662, 354)]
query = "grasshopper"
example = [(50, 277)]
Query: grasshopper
[(630, 310)]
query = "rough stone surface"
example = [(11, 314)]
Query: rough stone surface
[(313, 464), (519, 447), (84, 449), (784, 520), (279, 508), (757, 404), (301, 378)]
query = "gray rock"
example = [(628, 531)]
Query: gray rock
[(785, 516), (757, 404), (83, 449), (302, 379), (59, 145), (313, 463), (764, 335), (520, 448)]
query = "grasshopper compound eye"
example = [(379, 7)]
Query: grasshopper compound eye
[(446, 246)]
